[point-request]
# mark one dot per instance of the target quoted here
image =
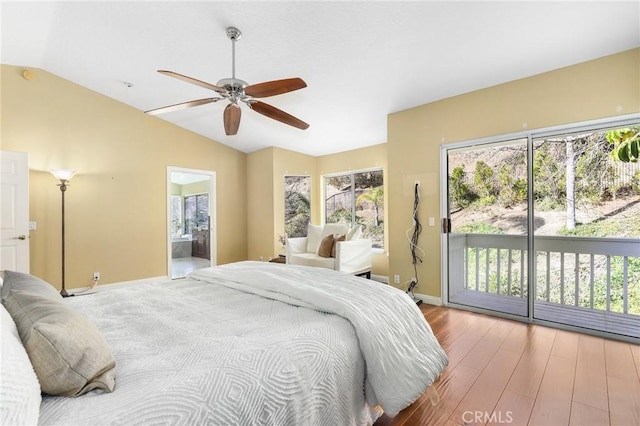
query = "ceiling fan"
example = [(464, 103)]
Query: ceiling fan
[(235, 91)]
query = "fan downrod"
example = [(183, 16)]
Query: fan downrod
[(234, 85)]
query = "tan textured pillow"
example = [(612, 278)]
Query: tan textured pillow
[(32, 284), (326, 245), (68, 353), (335, 243)]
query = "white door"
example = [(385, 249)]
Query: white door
[(14, 211)]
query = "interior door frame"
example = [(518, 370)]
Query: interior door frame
[(530, 135), (213, 245), (14, 178)]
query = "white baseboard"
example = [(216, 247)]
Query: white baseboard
[(105, 287), (380, 278), (431, 300)]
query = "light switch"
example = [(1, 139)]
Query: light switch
[(432, 221), (32, 225)]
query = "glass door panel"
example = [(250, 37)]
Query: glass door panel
[(587, 233), (488, 223)]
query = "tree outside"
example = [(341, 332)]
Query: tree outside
[(297, 206)]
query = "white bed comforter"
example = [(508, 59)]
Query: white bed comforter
[(402, 355), (201, 351)]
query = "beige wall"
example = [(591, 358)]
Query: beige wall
[(596, 89), (190, 188), (196, 187), (260, 204), (116, 204)]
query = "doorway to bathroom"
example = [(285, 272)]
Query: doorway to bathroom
[(190, 220)]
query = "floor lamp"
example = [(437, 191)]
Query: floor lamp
[(64, 176)]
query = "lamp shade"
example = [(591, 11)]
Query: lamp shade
[(63, 174)]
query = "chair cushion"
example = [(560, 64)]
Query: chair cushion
[(314, 237), (335, 229), (312, 259)]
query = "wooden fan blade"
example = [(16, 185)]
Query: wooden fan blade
[(276, 87), (182, 105), (232, 115), (194, 81), (277, 114)]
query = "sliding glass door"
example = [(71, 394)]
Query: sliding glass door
[(571, 198), (488, 226), (588, 245)]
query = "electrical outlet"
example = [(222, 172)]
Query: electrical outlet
[(96, 276), (396, 279)]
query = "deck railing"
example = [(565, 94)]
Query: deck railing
[(585, 281)]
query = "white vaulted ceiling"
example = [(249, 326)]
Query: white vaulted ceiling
[(360, 60)]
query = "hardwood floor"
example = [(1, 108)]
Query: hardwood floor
[(503, 372)]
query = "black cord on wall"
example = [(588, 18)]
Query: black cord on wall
[(413, 242)]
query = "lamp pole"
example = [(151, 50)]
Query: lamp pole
[(63, 189), (64, 176)]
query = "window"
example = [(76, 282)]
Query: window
[(177, 225), (357, 198), (196, 212), (297, 206)]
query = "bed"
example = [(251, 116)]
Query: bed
[(253, 343)]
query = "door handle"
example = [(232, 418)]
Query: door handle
[(446, 225), (21, 237)]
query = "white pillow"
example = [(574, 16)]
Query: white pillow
[(20, 390), (335, 229), (354, 233), (314, 237)]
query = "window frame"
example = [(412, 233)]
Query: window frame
[(180, 212), (184, 207), (351, 173), (284, 219)]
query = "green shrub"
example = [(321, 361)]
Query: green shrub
[(483, 180), (460, 193)]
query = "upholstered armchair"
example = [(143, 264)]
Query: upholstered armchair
[(333, 246)]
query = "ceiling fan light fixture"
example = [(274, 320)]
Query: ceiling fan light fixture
[(236, 90)]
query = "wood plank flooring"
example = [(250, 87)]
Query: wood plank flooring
[(505, 372)]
